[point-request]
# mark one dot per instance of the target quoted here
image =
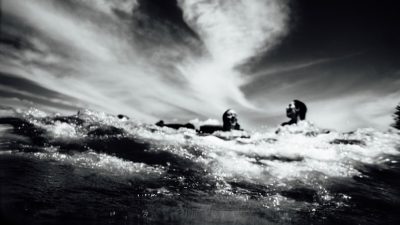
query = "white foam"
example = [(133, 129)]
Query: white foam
[(298, 152), (103, 163)]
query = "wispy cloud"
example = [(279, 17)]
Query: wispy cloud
[(111, 56), (344, 92), (99, 59), (286, 68)]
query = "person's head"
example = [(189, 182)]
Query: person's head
[(160, 123), (229, 119), (291, 111), (296, 110)]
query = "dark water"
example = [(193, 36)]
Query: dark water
[(96, 169)]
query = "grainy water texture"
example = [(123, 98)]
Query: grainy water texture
[(183, 59), (94, 168)]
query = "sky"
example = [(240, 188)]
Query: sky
[(178, 60)]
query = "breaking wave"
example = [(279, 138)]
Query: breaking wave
[(290, 168)]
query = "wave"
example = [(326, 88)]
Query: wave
[(300, 154)]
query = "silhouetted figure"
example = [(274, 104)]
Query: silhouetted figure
[(230, 122), (209, 129), (122, 116), (296, 111), (175, 125)]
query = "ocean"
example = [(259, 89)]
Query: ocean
[(94, 168)]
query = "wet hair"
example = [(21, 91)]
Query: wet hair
[(227, 122), (301, 108), (121, 116), (225, 115)]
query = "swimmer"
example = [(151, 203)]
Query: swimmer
[(296, 111), (229, 120)]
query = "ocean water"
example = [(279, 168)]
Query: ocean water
[(93, 168)]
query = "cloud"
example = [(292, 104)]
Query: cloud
[(108, 6), (364, 109), (117, 57), (232, 32), (235, 31), (345, 92), (84, 50)]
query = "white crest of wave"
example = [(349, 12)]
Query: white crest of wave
[(298, 152), (103, 163)]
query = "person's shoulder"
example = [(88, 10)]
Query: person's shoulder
[(209, 129), (237, 127)]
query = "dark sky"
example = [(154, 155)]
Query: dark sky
[(336, 28), (339, 53), (180, 60)]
